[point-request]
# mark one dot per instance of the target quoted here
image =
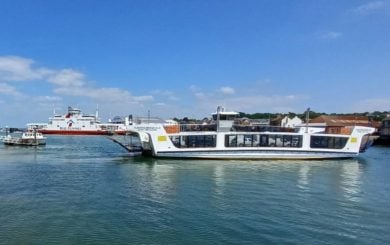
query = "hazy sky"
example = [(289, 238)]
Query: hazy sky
[(183, 58)]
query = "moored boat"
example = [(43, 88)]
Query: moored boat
[(31, 138), (223, 139), (384, 133)]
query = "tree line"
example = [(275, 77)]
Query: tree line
[(375, 116)]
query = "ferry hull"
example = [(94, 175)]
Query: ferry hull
[(257, 155), (75, 132)]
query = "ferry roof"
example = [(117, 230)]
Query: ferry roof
[(226, 113), (221, 111)]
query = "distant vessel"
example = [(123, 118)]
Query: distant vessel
[(74, 122), (224, 139), (384, 133), (27, 139)]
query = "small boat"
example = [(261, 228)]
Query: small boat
[(225, 139), (30, 138)]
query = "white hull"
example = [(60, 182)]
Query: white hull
[(159, 144), (255, 154)]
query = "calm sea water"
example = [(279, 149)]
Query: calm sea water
[(86, 190)]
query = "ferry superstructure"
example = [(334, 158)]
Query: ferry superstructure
[(74, 122), (223, 139)]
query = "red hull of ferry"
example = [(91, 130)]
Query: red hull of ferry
[(75, 132)]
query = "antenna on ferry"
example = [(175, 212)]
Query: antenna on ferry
[(307, 119), (97, 111), (219, 108)]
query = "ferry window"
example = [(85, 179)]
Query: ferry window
[(296, 141), (271, 140), (278, 142), (287, 140), (231, 141), (328, 142), (199, 141), (263, 140), (338, 143), (175, 140), (209, 141), (255, 140), (240, 140), (193, 141), (248, 139)]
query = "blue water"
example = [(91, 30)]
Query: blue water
[(85, 190)]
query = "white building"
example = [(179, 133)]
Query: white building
[(290, 122)]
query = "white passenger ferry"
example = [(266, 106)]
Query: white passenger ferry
[(74, 122), (223, 139)]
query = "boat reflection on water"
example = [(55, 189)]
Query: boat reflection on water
[(219, 178), (342, 178), (351, 179), (303, 180)]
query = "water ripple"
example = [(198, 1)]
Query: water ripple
[(85, 190)]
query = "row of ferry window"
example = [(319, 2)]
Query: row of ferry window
[(259, 140), (194, 141), (263, 140)]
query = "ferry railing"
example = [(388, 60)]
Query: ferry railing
[(213, 127), (261, 128), (197, 127)]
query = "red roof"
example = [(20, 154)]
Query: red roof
[(340, 121)]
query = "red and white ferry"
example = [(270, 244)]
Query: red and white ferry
[(76, 123)]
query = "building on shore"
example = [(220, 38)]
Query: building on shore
[(335, 124), (288, 122)]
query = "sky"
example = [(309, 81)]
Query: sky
[(183, 58)]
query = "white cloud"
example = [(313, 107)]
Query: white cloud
[(67, 78), (263, 82), (373, 104), (166, 94), (13, 68), (194, 88), (9, 90), (329, 35), (247, 101), (227, 90), (67, 82), (200, 95), (114, 95), (370, 7), (143, 98), (47, 98)]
